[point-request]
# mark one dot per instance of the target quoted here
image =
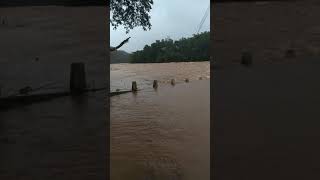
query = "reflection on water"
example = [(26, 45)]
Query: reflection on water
[(163, 133)]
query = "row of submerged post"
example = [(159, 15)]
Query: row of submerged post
[(28, 95), (155, 84), (78, 83), (247, 57)]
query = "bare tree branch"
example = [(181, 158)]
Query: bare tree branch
[(120, 45)]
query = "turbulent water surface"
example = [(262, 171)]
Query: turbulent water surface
[(163, 133)]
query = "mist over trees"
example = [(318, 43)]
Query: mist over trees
[(195, 48)]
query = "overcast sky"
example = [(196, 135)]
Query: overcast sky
[(169, 18)]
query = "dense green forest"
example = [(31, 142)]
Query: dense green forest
[(195, 48)]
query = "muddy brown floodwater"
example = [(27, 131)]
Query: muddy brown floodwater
[(163, 133), (62, 138)]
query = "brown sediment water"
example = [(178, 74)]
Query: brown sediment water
[(58, 139), (63, 138), (162, 133)]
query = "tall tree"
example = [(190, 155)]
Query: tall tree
[(130, 14)]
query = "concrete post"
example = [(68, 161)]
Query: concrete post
[(155, 84), (77, 78), (246, 59), (290, 53), (173, 82), (134, 86)]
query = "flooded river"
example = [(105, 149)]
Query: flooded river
[(163, 133)]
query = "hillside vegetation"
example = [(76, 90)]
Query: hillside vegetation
[(195, 48)]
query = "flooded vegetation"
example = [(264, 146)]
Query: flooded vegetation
[(163, 133)]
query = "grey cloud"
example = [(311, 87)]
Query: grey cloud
[(169, 18)]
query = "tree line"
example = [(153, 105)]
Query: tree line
[(195, 48)]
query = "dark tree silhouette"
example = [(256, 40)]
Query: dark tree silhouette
[(130, 14), (121, 44)]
